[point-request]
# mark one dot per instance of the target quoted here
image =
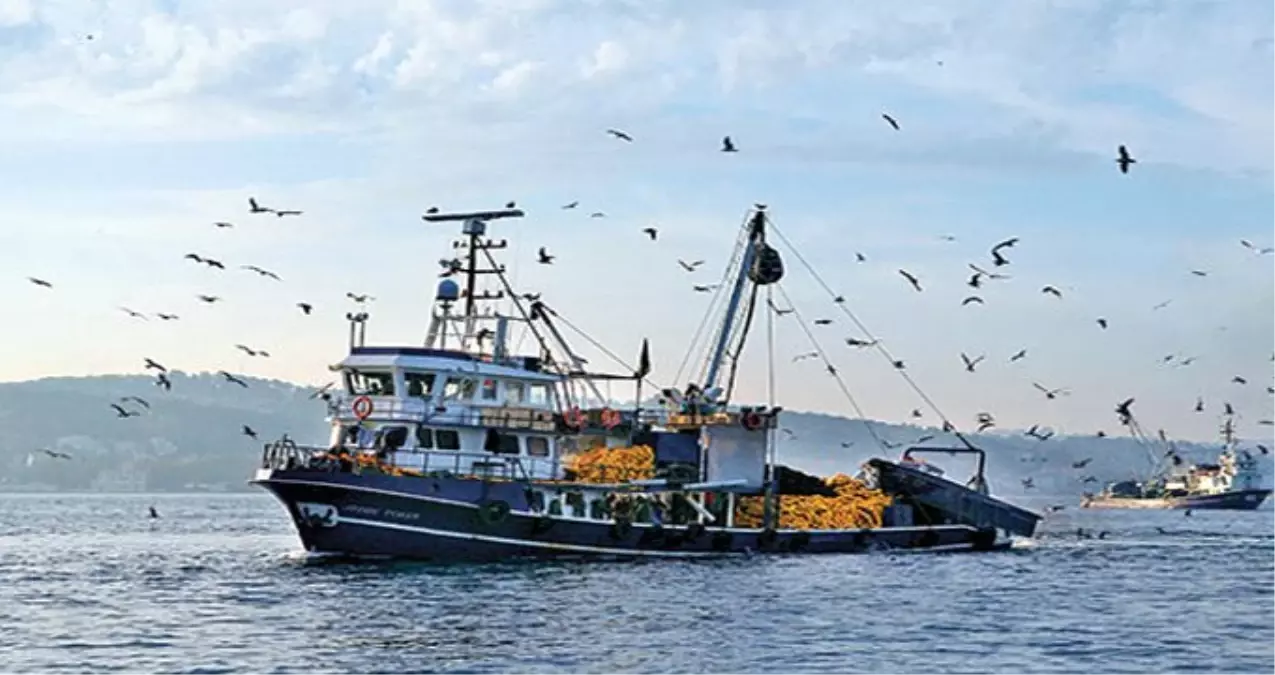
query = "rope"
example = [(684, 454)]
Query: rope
[(770, 348), (771, 445), (947, 423), (732, 272), (742, 332), (831, 369), (718, 295), (600, 347), (527, 318)]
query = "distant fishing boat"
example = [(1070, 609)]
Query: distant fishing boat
[(1233, 483), (462, 450)]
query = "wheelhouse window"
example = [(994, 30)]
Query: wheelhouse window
[(515, 393), (538, 394), (488, 391), (419, 384), (537, 446), (424, 438), (459, 389), (363, 383), (446, 439)]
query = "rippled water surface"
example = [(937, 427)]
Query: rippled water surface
[(217, 584)]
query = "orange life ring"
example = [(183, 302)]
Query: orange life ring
[(574, 418), (362, 407), (750, 420), (610, 418)]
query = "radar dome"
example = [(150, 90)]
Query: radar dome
[(448, 291)]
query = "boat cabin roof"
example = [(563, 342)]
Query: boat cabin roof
[(437, 360)]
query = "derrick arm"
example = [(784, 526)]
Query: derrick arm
[(541, 311)]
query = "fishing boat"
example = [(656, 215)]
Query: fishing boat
[(459, 449), (1232, 483)]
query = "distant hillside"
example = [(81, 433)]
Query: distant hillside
[(191, 439), (192, 435)]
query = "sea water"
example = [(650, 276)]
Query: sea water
[(218, 584)]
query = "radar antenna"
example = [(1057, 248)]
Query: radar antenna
[(474, 229)]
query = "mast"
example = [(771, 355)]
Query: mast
[(759, 264), (1228, 432), (474, 228), (478, 260)]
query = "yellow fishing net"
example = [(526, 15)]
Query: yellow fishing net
[(854, 505), (612, 465)]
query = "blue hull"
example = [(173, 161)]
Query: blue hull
[(444, 519), (1240, 500)]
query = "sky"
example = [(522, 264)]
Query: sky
[(129, 126)]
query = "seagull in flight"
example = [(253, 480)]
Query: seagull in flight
[(231, 378), (1050, 394), (776, 309), (122, 413), (1124, 160), (138, 400), (262, 272)]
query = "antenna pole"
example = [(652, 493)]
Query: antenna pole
[(768, 503), (471, 276)]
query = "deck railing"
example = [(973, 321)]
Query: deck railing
[(287, 455), (474, 414), (450, 413)]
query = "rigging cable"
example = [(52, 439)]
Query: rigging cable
[(600, 347), (733, 271), (947, 423), (544, 345), (742, 331), (771, 435), (827, 362), (709, 313)]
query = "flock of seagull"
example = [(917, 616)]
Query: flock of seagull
[(979, 276), (135, 406)]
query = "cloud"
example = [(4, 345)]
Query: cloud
[(1034, 70), (609, 58), (120, 150), (15, 12)]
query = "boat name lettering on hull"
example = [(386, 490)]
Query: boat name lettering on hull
[(391, 514)]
